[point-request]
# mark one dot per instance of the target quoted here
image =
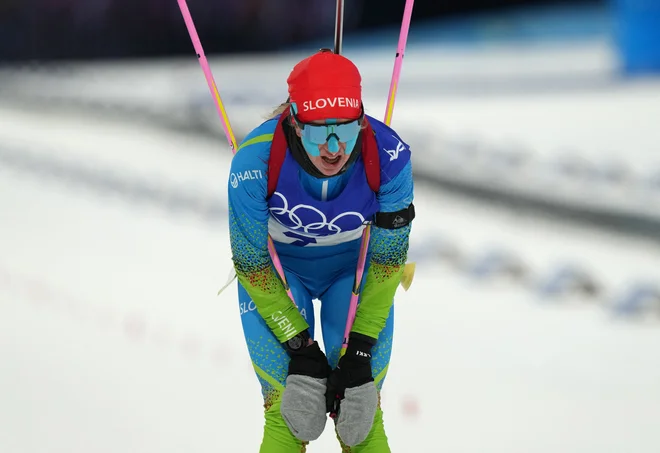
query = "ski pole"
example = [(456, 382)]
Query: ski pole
[(398, 59), (398, 62), (339, 26), (206, 68)]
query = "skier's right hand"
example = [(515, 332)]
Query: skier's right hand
[(307, 359), (303, 399)]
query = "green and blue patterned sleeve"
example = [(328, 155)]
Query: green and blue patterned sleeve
[(389, 253), (248, 232)]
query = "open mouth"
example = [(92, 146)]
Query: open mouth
[(331, 161)]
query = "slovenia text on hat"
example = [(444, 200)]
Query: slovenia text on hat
[(326, 85)]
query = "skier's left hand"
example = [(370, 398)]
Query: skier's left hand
[(351, 395)]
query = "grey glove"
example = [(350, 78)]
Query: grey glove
[(303, 406), (358, 410), (303, 400)]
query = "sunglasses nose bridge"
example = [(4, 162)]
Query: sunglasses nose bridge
[(333, 143)]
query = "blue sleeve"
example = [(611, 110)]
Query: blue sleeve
[(248, 209), (248, 232), (389, 248)]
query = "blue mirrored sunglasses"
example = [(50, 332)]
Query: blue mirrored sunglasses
[(331, 132), (318, 134)]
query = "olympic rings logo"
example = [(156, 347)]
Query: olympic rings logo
[(350, 220)]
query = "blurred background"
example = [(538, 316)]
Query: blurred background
[(77, 29), (534, 130)]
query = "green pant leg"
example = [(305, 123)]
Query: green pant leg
[(277, 436)]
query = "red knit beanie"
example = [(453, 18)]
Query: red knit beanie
[(326, 85)]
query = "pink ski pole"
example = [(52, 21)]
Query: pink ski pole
[(364, 247), (226, 126), (206, 68), (362, 260), (398, 59)]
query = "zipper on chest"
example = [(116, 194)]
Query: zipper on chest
[(324, 191)]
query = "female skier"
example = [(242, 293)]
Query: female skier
[(312, 177)]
